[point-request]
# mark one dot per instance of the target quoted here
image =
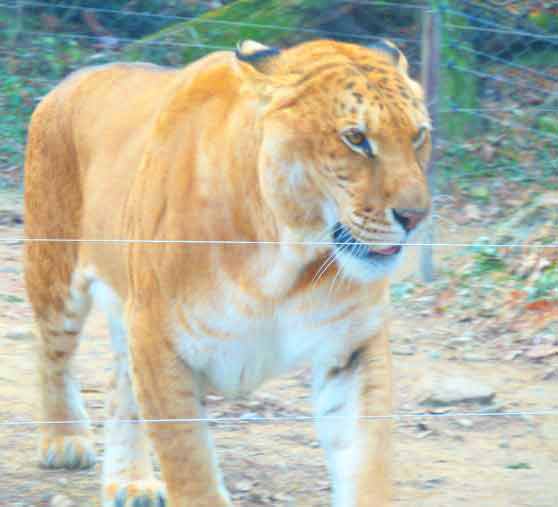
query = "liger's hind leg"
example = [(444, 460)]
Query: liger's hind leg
[(58, 292), (65, 434)]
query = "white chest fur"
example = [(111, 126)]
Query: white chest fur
[(237, 343)]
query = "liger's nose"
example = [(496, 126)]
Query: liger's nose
[(409, 218)]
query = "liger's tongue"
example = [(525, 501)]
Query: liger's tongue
[(388, 251)]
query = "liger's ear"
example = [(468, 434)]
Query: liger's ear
[(259, 56), (256, 63), (390, 49)]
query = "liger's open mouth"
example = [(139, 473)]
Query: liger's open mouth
[(345, 240)]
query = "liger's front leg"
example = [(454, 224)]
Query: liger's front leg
[(358, 449), (166, 389)]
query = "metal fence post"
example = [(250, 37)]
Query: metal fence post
[(430, 76)]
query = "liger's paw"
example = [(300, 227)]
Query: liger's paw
[(67, 451), (148, 493)]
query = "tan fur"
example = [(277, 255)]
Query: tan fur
[(219, 150)]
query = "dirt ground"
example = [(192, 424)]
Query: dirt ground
[(509, 461)]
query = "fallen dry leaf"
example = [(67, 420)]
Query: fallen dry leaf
[(542, 305), (542, 351)]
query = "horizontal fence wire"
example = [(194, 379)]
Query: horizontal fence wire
[(487, 23), (380, 3), (483, 113), (500, 79), (503, 61), (456, 109), (486, 5), (141, 42), (519, 33), (534, 109), (15, 240), (494, 171), (129, 12), (150, 42), (511, 124), (291, 418)]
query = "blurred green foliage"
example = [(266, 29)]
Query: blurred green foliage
[(223, 28), (111, 16), (27, 74), (486, 258), (457, 88), (546, 285), (42, 42)]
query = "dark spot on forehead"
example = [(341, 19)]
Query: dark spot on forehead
[(358, 97), (350, 85)]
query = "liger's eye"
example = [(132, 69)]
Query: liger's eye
[(355, 137), (357, 141), (420, 138)]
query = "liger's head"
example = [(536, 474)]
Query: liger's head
[(345, 144)]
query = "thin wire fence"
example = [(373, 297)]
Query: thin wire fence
[(238, 242), (290, 418), (516, 93)]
